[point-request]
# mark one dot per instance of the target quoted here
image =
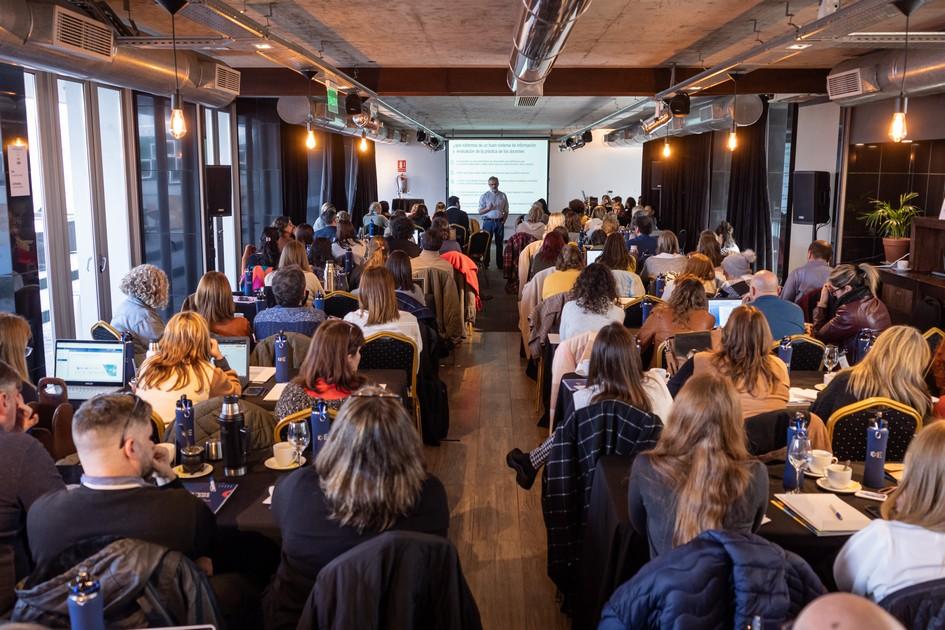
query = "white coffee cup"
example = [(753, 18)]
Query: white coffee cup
[(902, 265), (171, 451), (828, 376), (819, 460), (284, 453), (839, 476)]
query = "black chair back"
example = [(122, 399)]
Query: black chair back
[(339, 304), (103, 331), (918, 606), (847, 428), (479, 246), (767, 432)]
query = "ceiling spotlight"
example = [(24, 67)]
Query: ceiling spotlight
[(360, 120), (421, 136), (652, 124), (587, 136)]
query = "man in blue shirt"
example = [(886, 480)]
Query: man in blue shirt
[(811, 276), (290, 313), (494, 205), (329, 231), (784, 318), (645, 243)]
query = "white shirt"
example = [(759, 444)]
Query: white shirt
[(406, 324), (575, 320), (629, 284), (886, 556), (661, 401), (499, 204), (535, 229), (312, 284), (592, 226)]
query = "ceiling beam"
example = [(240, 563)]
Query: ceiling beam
[(562, 81)]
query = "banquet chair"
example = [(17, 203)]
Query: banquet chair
[(921, 605), (340, 303), (933, 336), (473, 226), (157, 427), (847, 428), (103, 331), (279, 431), (478, 251), (807, 353), (767, 432), (394, 351), (460, 233), (61, 430), (633, 310), (264, 354)]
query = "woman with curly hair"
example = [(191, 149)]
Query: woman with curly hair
[(699, 266), (686, 311), (146, 288), (622, 265), (591, 303), (547, 254)]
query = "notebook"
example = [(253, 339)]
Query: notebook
[(213, 493), (818, 513)]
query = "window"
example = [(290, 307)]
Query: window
[(218, 151), (260, 164)]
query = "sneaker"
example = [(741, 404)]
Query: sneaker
[(525, 473)]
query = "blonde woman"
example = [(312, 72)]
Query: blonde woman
[(533, 223), (214, 301), (294, 254), (182, 367), (893, 368), (375, 255), (667, 258), (596, 221), (378, 310), (15, 336), (907, 545), (368, 478), (700, 475), (146, 290), (848, 303)]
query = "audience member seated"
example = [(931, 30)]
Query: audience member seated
[(591, 302), (610, 225), (146, 291), (596, 220), (264, 260), (27, 472), (725, 233), (812, 275), (329, 371), (419, 216), (214, 302), (322, 219), (615, 372), (736, 267), (686, 311), (329, 227), (182, 367), (286, 230), (843, 611), (622, 265), (376, 216), (547, 255), (907, 545), (401, 232), (455, 215), (643, 241), (894, 368), (784, 318), (378, 310), (708, 246), (369, 477), (305, 234), (567, 267), (667, 258), (15, 348), (293, 254), (408, 291), (346, 240), (533, 223), (375, 256), (290, 314), (597, 239), (848, 303), (697, 265), (555, 220), (430, 255), (700, 475), (441, 225)]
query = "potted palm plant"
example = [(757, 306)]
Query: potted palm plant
[(894, 224)]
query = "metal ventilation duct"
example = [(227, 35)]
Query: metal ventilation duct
[(540, 36), (296, 110), (31, 35), (878, 75), (710, 115)]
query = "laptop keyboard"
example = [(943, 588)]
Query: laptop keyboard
[(84, 392)]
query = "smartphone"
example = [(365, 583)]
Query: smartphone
[(254, 391), (873, 511)]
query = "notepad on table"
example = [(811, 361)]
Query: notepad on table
[(895, 471), (824, 514), (276, 391), (260, 374), (801, 395)]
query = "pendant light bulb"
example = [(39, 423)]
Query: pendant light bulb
[(666, 150), (362, 146), (732, 142), (310, 136), (897, 128), (178, 122)]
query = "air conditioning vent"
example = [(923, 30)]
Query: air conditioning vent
[(706, 113), (526, 101), (844, 84), (82, 35), (227, 79)]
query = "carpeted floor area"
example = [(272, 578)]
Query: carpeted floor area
[(500, 309)]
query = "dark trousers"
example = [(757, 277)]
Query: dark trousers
[(496, 227)]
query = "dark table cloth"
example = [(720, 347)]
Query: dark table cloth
[(395, 381), (248, 309)]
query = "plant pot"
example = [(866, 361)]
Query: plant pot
[(896, 248)]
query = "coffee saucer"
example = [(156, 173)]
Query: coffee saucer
[(820, 386), (815, 475), (854, 486), (205, 470), (272, 465)]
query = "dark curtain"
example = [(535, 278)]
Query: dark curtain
[(294, 172), (749, 211), (366, 186), (334, 184), (650, 180), (682, 201)]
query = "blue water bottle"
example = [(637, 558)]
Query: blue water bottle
[(877, 435), (184, 422), (248, 283), (798, 425), (864, 341), (660, 284), (646, 307), (370, 228), (321, 423), (86, 608), (785, 351), (319, 300), (128, 362), (282, 358), (349, 260), (581, 237)]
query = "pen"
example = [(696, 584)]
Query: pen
[(835, 512)]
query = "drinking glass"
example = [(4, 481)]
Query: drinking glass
[(299, 435), (831, 357), (799, 456)]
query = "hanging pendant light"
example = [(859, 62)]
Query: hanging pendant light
[(666, 150), (363, 146), (309, 134), (732, 142), (178, 122), (898, 131)]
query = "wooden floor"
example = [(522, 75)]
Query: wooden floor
[(496, 526)]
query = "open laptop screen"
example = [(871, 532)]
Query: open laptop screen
[(236, 352), (591, 256), (90, 362), (721, 309)]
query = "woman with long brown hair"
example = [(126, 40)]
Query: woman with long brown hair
[(214, 301), (379, 310), (700, 476), (622, 265), (15, 336), (686, 311), (346, 240), (294, 254), (329, 370)]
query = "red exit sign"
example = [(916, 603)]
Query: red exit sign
[(401, 166)]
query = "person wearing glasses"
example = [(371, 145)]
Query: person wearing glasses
[(369, 477), (15, 348), (848, 303), (329, 371)]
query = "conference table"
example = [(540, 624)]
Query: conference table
[(393, 381)]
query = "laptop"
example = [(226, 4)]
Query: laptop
[(591, 256), (236, 352), (721, 309), (90, 368)]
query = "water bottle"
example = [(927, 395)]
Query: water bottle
[(320, 300), (128, 358), (282, 358), (371, 228), (864, 341), (798, 425), (153, 348), (321, 423), (660, 284), (877, 436), (234, 437), (248, 283), (646, 307), (184, 421), (86, 605), (785, 351), (581, 237), (349, 260), (329, 280)]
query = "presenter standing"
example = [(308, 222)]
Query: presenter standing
[(494, 205)]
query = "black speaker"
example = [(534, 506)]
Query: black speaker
[(352, 104), (219, 191), (679, 104), (811, 197), (656, 175)]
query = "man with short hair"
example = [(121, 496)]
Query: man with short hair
[(430, 256), (784, 318), (494, 206), (642, 226), (329, 229), (290, 313), (27, 472), (376, 216), (456, 216), (812, 275)]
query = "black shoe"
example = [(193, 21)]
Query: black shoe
[(525, 473)]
